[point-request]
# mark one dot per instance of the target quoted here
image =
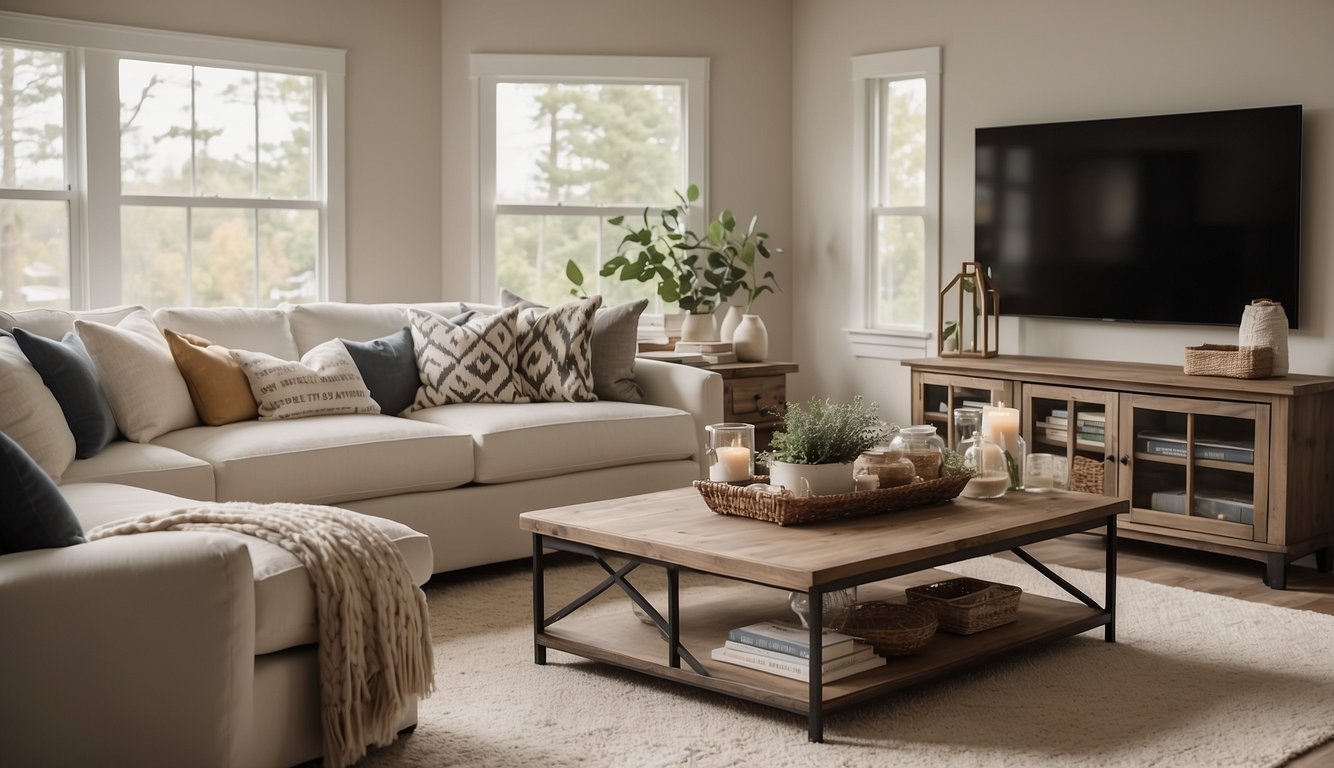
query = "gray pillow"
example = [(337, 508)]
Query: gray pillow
[(68, 371), (615, 344), (36, 515), (388, 365)]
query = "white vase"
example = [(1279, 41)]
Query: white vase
[(698, 328), (751, 340), (730, 321), (820, 479)]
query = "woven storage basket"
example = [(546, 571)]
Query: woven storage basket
[(964, 606), (1086, 475), (785, 509), (1228, 360), (893, 629)]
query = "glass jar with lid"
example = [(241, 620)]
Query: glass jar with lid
[(967, 423), (923, 447), (888, 464)]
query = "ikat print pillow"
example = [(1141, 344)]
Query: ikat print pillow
[(469, 363), (555, 352)]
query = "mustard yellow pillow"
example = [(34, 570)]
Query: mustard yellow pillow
[(217, 383)]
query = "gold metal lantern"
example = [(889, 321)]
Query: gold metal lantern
[(968, 316)]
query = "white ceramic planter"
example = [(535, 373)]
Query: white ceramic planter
[(822, 479), (751, 340), (698, 328)]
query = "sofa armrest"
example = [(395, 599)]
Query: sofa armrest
[(687, 388), (131, 650)]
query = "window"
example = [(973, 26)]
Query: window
[(209, 173), (566, 143), (897, 201)]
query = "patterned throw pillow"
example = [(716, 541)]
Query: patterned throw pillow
[(469, 363), (325, 382), (555, 349)]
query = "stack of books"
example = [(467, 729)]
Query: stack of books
[(784, 649), (1090, 427), (713, 352)]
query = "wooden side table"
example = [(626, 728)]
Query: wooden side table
[(753, 393)]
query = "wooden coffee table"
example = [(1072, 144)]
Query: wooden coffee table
[(675, 530)]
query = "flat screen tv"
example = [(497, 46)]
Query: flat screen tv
[(1169, 219)]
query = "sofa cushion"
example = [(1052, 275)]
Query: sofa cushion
[(217, 382), (256, 329), (69, 373), (36, 515), (388, 365), (139, 375), (317, 322), (327, 459), (325, 382), (30, 414), (145, 465), (530, 440), (284, 600), (469, 363), (554, 352), (55, 323)]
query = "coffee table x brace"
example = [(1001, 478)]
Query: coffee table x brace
[(675, 530)]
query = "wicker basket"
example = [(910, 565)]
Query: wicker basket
[(1231, 361), (786, 509), (965, 606), (893, 629), (1086, 475)]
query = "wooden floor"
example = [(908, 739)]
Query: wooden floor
[(1308, 589)]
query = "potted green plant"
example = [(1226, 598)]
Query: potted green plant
[(819, 442)]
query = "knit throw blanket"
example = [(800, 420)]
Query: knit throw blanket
[(374, 633)]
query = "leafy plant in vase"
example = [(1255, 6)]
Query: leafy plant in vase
[(818, 443)]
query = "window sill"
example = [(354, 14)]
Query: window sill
[(890, 345)]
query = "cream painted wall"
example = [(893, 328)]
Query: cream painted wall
[(393, 114), (750, 103), (1035, 61)]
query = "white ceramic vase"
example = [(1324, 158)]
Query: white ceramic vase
[(698, 328), (821, 479), (730, 321), (751, 339)]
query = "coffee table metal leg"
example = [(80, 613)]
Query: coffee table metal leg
[(674, 617), (1109, 601), (539, 600), (815, 705)]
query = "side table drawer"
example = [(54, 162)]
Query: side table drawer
[(755, 400)]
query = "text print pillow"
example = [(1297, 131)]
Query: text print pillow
[(325, 382)]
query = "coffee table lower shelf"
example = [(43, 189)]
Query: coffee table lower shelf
[(618, 638)]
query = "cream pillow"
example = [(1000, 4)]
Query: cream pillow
[(148, 397), (30, 414), (325, 382)]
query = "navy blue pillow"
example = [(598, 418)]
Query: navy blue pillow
[(36, 515), (389, 368), (68, 371)]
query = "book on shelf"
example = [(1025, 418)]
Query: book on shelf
[(716, 358), (1097, 438), (860, 651), (1232, 506), (686, 358), (792, 669), (709, 347), (1060, 413), (1056, 421), (792, 639), (1169, 444), (975, 404), (1092, 416)]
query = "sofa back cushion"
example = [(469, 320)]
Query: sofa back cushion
[(317, 322), (255, 329), (55, 323)]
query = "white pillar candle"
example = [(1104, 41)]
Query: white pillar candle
[(733, 464), (1001, 426)]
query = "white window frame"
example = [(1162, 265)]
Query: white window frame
[(490, 69), (869, 73), (93, 137)]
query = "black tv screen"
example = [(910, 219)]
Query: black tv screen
[(1172, 218)]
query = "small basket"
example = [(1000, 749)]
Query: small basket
[(1230, 361), (1086, 475), (786, 509), (893, 629), (965, 606)]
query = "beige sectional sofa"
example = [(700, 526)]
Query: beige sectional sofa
[(199, 649)]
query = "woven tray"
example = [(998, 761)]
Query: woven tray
[(893, 629), (1231, 361), (785, 509), (1086, 475), (964, 606)]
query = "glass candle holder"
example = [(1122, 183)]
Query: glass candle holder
[(1000, 425), (731, 452)]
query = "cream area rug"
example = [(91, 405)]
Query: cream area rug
[(1194, 680)]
